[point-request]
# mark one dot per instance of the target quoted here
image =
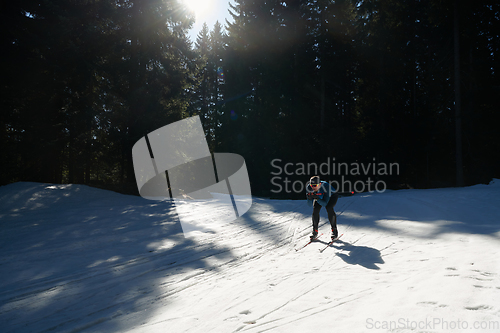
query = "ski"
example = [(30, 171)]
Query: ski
[(312, 240), (328, 245)]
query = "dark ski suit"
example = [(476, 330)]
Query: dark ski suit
[(326, 197)]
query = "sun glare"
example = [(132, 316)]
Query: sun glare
[(198, 7)]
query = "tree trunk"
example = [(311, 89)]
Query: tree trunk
[(458, 119)]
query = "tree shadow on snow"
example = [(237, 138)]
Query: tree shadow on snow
[(76, 258), (426, 214)]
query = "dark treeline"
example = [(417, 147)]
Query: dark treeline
[(373, 82)]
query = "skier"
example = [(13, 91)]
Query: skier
[(322, 194)]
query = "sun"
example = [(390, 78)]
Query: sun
[(198, 7)]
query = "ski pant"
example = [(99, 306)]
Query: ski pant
[(332, 217)]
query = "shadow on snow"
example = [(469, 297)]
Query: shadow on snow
[(75, 257)]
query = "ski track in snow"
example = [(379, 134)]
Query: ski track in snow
[(75, 259)]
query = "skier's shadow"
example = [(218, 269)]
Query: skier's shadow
[(365, 256)]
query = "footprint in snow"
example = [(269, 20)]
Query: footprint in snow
[(476, 308)]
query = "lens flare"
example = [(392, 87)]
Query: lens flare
[(220, 74), (234, 115)]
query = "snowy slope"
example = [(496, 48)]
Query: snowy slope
[(74, 258)]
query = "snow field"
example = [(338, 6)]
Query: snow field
[(74, 258)]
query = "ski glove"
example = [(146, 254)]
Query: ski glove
[(314, 195)]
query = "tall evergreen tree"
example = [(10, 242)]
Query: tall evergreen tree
[(292, 80), (91, 78)]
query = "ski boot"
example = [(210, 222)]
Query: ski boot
[(314, 235), (335, 234)]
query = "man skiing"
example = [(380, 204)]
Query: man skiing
[(322, 194)]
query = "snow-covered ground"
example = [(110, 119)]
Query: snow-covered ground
[(75, 258)]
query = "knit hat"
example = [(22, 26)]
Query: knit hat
[(314, 180)]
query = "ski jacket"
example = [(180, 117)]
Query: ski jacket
[(323, 195)]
